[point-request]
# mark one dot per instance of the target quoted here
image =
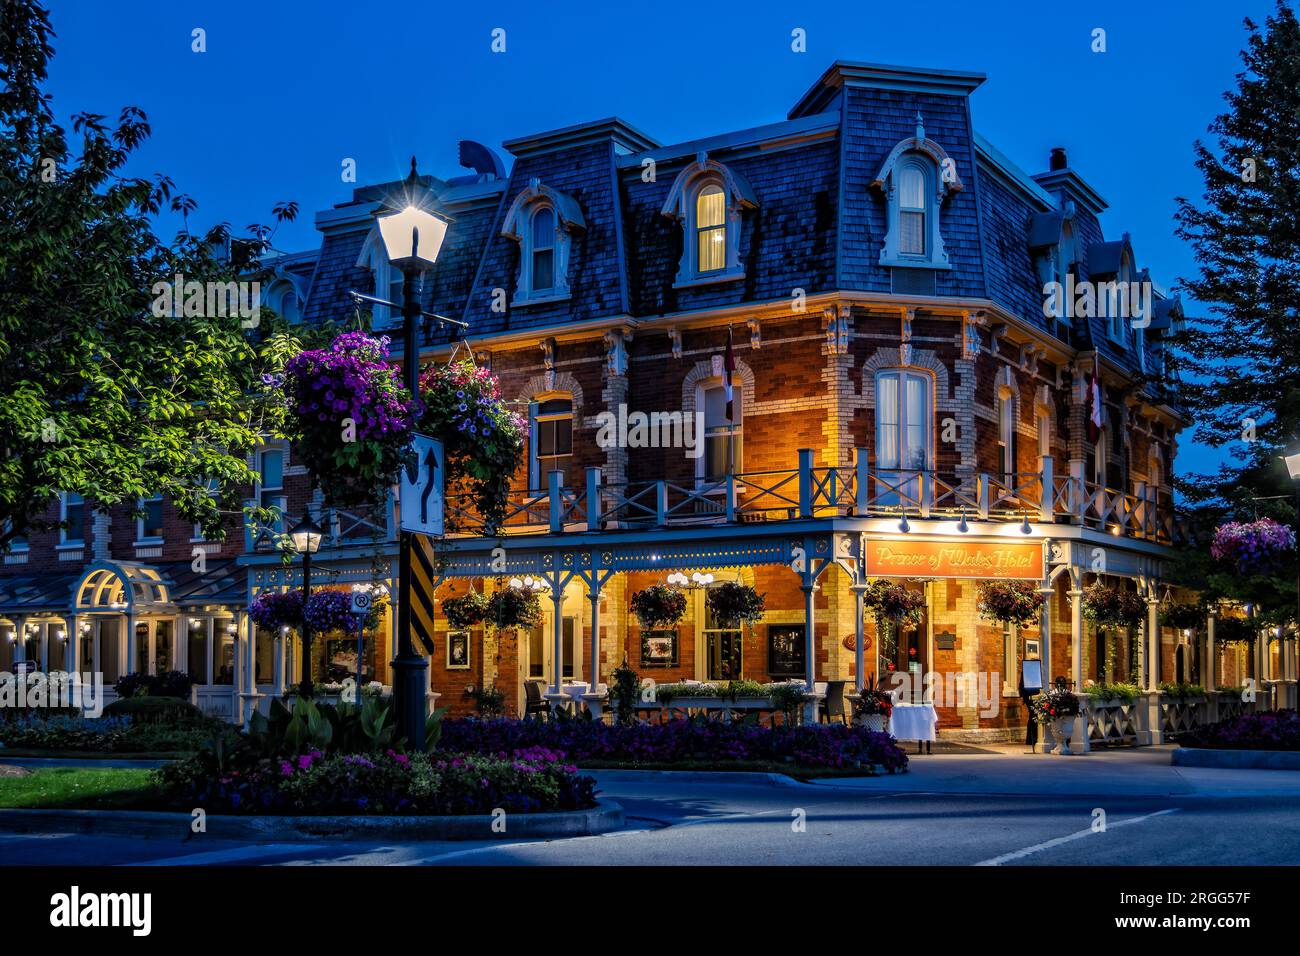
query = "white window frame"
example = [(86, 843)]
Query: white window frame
[(518, 227), (935, 255), (902, 374), (260, 490), (736, 430), (64, 540), (140, 536), (1006, 409), (530, 249), (374, 260), (537, 480)]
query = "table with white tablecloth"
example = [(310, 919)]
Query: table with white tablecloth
[(913, 722)]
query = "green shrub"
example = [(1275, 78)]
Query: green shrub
[(170, 710), (1182, 691), (1117, 691)]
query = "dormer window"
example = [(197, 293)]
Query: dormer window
[(544, 222), (710, 229), (386, 281), (709, 200), (916, 178)]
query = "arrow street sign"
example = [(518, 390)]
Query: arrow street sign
[(421, 488)]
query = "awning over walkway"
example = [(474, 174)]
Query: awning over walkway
[(35, 593), (224, 582), (121, 586)]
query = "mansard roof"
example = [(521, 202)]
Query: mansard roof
[(811, 220)]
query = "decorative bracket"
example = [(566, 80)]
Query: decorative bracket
[(836, 322), (675, 337), (755, 334), (616, 351)]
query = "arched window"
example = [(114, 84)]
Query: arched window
[(551, 433), (903, 432), (911, 210), (542, 250), (386, 281), (1007, 436), (287, 306), (710, 229)]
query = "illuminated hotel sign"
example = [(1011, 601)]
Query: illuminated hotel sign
[(959, 559)]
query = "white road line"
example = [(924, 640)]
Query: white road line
[(224, 856), (1038, 847)]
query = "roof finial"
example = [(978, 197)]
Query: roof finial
[(415, 176), (920, 128)]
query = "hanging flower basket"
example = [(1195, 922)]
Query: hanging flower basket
[(330, 609), (734, 604), (659, 606), (514, 608), (467, 611), (1112, 607), (1235, 631), (1011, 602), (351, 419), (892, 602), (482, 438), (1183, 617), (272, 610), (1255, 547)]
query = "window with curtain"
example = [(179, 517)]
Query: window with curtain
[(542, 249), (74, 516), (911, 211), (710, 229), (902, 420), (722, 436), (552, 438), (1007, 438)]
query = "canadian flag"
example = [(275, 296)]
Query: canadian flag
[(1095, 418)]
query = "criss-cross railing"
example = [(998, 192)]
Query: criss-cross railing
[(810, 491)]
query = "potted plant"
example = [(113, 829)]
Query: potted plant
[(874, 708), (1252, 547), (659, 606), (350, 418), (467, 611), (483, 440), (1010, 602), (734, 604), (272, 610), (510, 608), (1058, 708)]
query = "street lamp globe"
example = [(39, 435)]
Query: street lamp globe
[(306, 535), (1293, 465)]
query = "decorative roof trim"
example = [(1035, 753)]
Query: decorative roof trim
[(740, 194), (919, 144), (566, 209)]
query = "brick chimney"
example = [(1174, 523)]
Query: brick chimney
[(1058, 160)]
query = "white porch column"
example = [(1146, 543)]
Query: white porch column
[(1045, 635), (20, 637), (557, 635), (593, 596), (72, 646), (130, 645), (1079, 733), (809, 588), (246, 656), (1211, 655), (859, 651), (1152, 629)]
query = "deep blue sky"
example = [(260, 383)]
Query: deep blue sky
[(288, 88)]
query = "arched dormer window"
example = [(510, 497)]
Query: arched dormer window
[(709, 200), (916, 178), (387, 280), (284, 299), (543, 221)]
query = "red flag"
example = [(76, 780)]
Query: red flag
[(1095, 415), (728, 370)]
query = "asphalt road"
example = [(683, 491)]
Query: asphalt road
[(674, 821)]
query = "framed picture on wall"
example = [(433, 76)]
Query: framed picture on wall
[(458, 650), (659, 648), (785, 650), (1032, 650)]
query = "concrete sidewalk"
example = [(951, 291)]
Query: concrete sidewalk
[(1132, 771)]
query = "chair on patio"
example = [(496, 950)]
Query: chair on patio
[(832, 705), (534, 703)]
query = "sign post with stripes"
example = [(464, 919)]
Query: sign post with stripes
[(424, 578)]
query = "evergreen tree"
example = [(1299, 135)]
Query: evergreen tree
[(1242, 360)]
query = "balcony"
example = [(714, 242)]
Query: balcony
[(808, 492)]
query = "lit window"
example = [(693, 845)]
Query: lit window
[(1007, 438), (552, 438), (911, 211), (902, 434), (543, 250), (711, 229), (723, 442), (73, 515)]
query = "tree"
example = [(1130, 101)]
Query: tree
[(104, 391), (1244, 357)]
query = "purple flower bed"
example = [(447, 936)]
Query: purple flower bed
[(680, 741), (1272, 730), (530, 780)]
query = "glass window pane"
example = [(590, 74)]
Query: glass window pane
[(709, 207), (566, 645), (715, 407), (536, 643), (109, 649), (75, 515), (86, 651), (198, 650), (712, 251), (272, 469), (911, 188), (555, 406), (142, 648), (543, 269), (911, 233), (223, 655), (545, 439), (163, 647), (543, 229)]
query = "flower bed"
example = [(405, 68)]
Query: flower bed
[(523, 780), (1271, 730), (678, 742)]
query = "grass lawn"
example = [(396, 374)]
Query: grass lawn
[(74, 788)]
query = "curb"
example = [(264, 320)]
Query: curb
[(1236, 759), (695, 776), (604, 817)]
